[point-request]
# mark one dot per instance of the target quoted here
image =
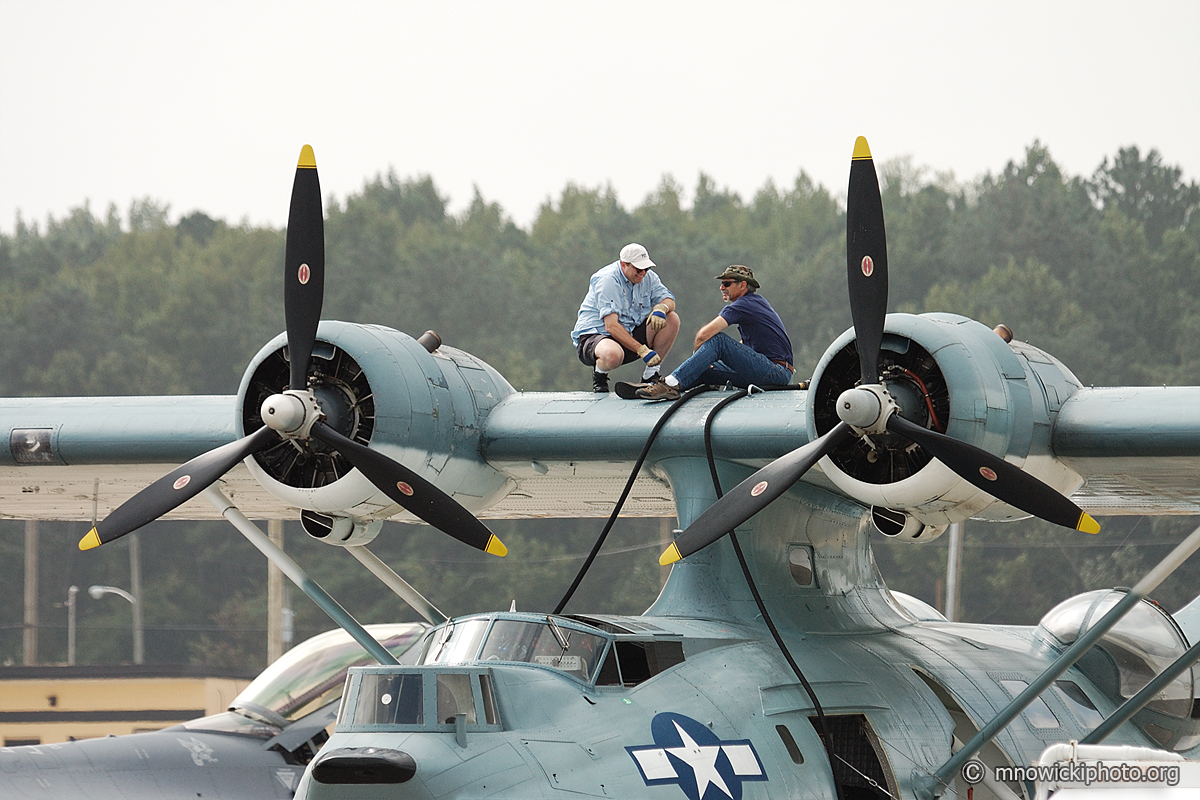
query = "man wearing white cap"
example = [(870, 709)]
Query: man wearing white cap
[(627, 314)]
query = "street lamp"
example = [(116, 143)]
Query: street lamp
[(138, 649)]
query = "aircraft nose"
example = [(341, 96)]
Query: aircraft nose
[(372, 765)]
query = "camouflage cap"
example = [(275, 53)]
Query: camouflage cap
[(736, 272)]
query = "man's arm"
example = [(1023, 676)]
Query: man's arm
[(708, 331), (612, 324)]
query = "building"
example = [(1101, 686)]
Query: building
[(49, 704)]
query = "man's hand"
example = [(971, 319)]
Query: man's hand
[(651, 358), (658, 317)]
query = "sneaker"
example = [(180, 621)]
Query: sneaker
[(660, 390), (628, 391), (600, 382)]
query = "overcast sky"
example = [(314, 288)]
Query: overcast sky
[(205, 105)]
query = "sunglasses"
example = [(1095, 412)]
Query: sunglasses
[(727, 284)]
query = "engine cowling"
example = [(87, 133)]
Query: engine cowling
[(951, 374), (381, 387)]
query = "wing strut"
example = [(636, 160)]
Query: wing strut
[(298, 576), (931, 786)]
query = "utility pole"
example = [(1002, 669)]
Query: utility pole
[(135, 588), (31, 593), (74, 590), (953, 571), (275, 595)]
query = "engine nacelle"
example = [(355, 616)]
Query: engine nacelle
[(954, 375), (381, 387)]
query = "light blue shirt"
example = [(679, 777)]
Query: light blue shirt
[(610, 292)]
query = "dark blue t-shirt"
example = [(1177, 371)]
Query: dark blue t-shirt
[(761, 328)]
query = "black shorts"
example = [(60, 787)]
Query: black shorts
[(587, 345)]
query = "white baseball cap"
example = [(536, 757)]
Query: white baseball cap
[(635, 254)]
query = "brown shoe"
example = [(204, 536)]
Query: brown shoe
[(628, 391), (659, 390)]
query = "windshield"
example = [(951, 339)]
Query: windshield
[(546, 641), (313, 672)]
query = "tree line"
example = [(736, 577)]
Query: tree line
[(1101, 270)]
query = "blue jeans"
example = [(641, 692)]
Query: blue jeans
[(721, 360)]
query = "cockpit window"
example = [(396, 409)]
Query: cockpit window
[(543, 640), (418, 698), (389, 700), (454, 697), (545, 643), (457, 642)]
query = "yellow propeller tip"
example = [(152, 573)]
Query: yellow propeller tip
[(91, 540), (669, 556), (1087, 524), (861, 151), (308, 160), (496, 547)]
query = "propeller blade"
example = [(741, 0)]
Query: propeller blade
[(752, 495), (174, 489), (866, 260), (413, 492), (304, 267), (997, 477)]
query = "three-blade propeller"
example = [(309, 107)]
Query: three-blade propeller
[(296, 409), (868, 407)]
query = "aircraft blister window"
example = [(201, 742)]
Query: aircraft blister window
[(1141, 645)]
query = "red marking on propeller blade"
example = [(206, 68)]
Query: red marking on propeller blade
[(404, 488), (758, 489), (182, 482), (303, 274), (987, 473), (868, 266)]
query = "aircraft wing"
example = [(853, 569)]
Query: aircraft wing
[(1137, 448), (73, 458), (568, 454)]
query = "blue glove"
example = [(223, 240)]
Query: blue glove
[(651, 358), (658, 317)]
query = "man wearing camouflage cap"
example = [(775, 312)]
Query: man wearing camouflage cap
[(762, 358)]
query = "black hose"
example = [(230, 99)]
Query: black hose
[(675, 406), (827, 740)]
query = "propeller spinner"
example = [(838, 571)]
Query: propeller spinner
[(295, 413), (869, 408)]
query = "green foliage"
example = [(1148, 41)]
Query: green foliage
[(1103, 272)]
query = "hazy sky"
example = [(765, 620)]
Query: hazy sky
[(205, 105)]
